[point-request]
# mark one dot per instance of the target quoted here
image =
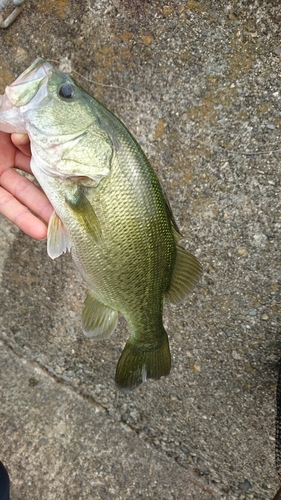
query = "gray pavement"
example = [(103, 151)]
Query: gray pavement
[(198, 84)]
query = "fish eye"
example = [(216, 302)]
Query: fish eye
[(67, 90)]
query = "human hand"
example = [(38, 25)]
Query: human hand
[(19, 195)]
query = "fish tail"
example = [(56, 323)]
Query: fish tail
[(138, 362)]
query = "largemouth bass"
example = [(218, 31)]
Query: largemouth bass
[(109, 211)]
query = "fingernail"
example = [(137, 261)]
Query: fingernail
[(21, 139)]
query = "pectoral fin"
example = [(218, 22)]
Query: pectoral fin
[(85, 213), (187, 272), (98, 320), (57, 237)]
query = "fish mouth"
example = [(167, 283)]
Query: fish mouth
[(26, 86)]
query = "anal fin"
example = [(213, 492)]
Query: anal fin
[(98, 320)]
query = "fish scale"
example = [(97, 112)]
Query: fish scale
[(109, 211), (120, 220)]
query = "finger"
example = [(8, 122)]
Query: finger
[(22, 162), (18, 214), (26, 193), (22, 152), (7, 152), (21, 141), (10, 156)]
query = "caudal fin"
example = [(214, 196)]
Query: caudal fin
[(138, 362)]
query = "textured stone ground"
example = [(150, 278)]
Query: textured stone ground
[(198, 84)]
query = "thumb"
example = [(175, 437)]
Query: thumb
[(21, 141)]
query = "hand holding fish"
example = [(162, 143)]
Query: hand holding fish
[(18, 195)]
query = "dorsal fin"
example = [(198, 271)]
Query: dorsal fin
[(187, 270), (186, 273), (170, 215)]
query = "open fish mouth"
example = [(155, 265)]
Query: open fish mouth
[(26, 86)]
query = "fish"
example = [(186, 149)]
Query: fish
[(110, 212)]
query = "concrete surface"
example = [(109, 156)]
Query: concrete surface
[(198, 83)]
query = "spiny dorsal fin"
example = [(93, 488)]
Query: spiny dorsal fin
[(57, 238), (186, 273), (85, 213), (187, 270), (98, 320), (170, 215)]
